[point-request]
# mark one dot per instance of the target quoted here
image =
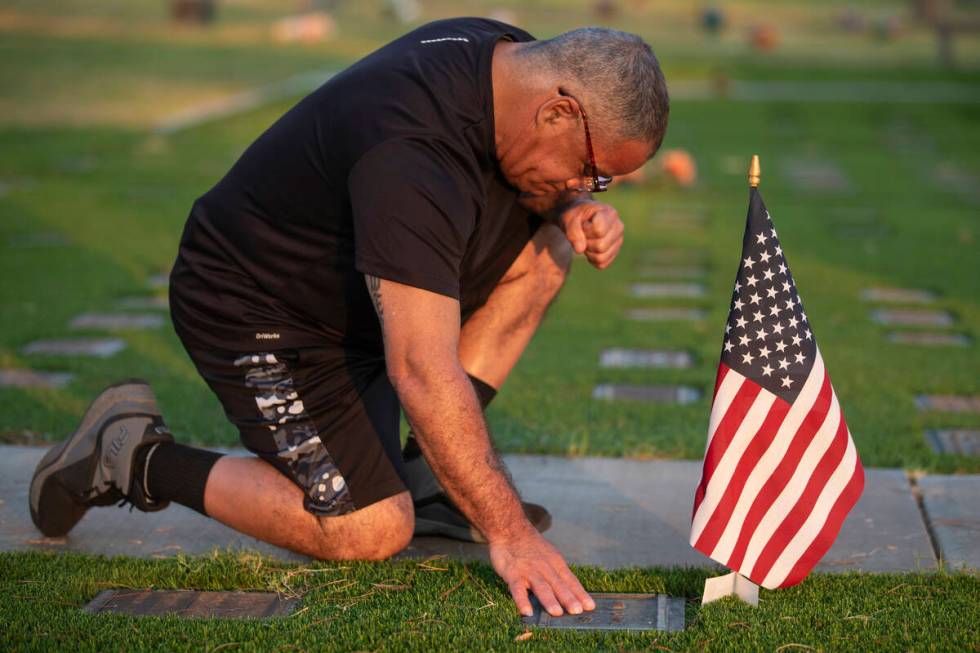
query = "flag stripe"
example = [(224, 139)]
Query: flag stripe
[(722, 372), (797, 516), (737, 409), (806, 458), (792, 444), (733, 488), (717, 478), (742, 522), (846, 500)]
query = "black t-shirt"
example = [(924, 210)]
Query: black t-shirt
[(388, 169)]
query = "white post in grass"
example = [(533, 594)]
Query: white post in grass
[(733, 584)]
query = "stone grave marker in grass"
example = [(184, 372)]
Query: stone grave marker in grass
[(884, 295), (671, 394), (148, 302), (949, 403), (965, 442), (671, 256), (671, 272), (627, 358), (672, 290), (617, 612), (814, 175), (929, 339), (911, 317), (158, 281), (192, 604), (950, 504), (22, 378), (666, 314), (117, 321), (95, 347)]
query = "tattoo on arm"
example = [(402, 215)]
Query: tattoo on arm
[(374, 287)]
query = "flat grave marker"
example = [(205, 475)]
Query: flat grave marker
[(666, 314), (910, 317), (964, 442), (158, 281), (95, 347), (192, 604), (671, 256), (815, 175), (117, 321), (950, 503), (21, 378), (669, 394), (144, 303), (647, 290), (628, 358), (949, 403), (630, 612), (884, 295), (671, 272), (929, 339)]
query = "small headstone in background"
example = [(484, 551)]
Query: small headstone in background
[(672, 394), (158, 281), (964, 442), (117, 321), (859, 231), (929, 339), (625, 358), (909, 317), (21, 378), (149, 302), (898, 295), (649, 289), (672, 257), (192, 604), (97, 347), (671, 272), (666, 314), (949, 403), (815, 175)]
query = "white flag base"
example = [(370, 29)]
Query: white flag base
[(728, 585)]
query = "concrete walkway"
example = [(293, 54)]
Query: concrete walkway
[(608, 512)]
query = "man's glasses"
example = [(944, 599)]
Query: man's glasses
[(593, 182)]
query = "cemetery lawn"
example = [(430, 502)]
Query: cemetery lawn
[(438, 605)]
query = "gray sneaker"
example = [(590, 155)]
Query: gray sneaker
[(94, 466)]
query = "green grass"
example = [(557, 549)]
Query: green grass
[(440, 605)]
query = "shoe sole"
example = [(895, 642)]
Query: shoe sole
[(538, 515), (53, 509)]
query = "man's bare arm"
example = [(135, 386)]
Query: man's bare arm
[(421, 333)]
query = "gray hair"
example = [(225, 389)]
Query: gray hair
[(615, 75)]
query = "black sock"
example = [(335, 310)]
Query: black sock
[(175, 472), (484, 392)]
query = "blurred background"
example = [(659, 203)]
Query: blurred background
[(115, 115)]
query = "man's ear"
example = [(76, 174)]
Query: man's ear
[(560, 112)]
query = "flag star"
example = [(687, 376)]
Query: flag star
[(760, 334), (754, 298), (764, 352), (748, 262), (768, 274), (750, 281), (757, 317), (782, 267), (747, 358), (744, 340), (793, 321), (741, 322), (800, 358), (788, 306), (779, 250), (766, 370), (771, 293), (777, 329), (737, 306), (764, 257), (728, 345), (738, 286), (787, 382), (760, 238), (767, 216), (797, 340), (809, 335), (783, 363), (786, 286), (773, 310), (780, 345), (728, 329), (772, 232), (803, 314)]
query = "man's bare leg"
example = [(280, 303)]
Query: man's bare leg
[(494, 337), (253, 497)]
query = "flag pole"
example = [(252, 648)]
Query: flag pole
[(735, 584)]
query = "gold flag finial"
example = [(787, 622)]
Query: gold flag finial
[(754, 171)]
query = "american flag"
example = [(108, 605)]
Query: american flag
[(780, 470)]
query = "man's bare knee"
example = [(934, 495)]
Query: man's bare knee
[(376, 532)]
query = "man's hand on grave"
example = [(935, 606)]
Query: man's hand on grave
[(594, 229), (530, 562)]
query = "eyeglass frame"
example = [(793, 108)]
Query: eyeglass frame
[(594, 183)]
